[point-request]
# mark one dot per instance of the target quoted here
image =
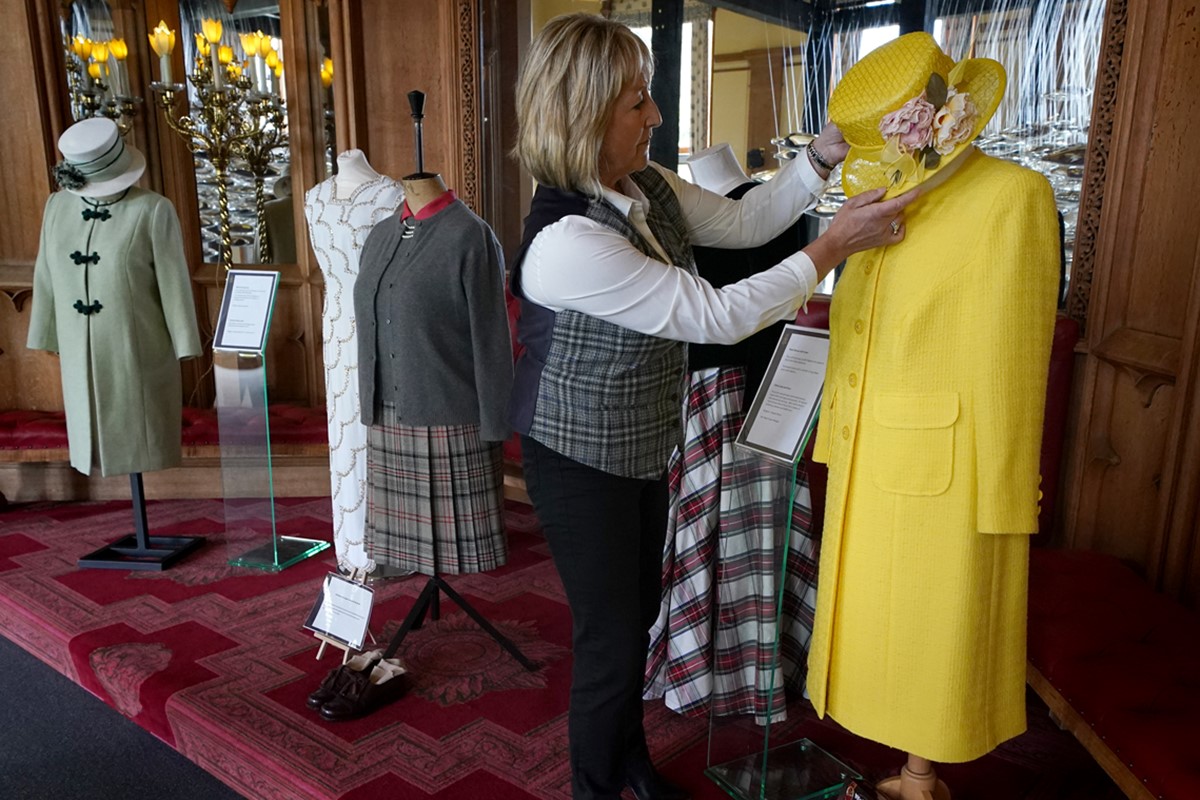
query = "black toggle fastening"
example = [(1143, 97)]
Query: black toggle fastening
[(101, 215), (87, 310), (80, 258)]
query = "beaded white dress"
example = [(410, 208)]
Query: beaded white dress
[(338, 224)]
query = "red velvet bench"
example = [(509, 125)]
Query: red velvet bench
[(34, 458), (1119, 665)]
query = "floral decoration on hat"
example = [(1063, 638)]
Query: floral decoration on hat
[(924, 129)]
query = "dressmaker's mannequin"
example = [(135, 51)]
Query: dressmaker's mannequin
[(341, 211), (435, 367)]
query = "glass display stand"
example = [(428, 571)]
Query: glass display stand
[(247, 481), (244, 426), (753, 751)]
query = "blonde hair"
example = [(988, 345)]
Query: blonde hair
[(575, 69)]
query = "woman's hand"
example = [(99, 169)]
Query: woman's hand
[(831, 145), (863, 223)]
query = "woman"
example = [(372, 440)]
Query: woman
[(609, 298)]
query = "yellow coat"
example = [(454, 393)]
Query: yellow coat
[(931, 425)]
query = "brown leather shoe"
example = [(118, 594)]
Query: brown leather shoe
[(384, 684), (338, 676)]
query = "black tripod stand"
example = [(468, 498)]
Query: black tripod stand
[(427, 601)]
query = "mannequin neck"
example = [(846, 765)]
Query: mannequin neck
[(108, 198), (422, 188), (353, 171)]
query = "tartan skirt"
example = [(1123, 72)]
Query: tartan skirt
[(435, 498), (713, 647)]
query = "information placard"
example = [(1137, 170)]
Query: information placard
[(785, 408), (246, 309), (342, 611)]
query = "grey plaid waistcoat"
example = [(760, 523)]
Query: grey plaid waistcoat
[(603, 395)]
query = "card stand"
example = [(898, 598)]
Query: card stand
[(247, 482), (359, 576), (751, 755)]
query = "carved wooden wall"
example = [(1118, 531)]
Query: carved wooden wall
[(1133, 473)]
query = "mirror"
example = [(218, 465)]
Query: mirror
[(243, 184), (95, 50)]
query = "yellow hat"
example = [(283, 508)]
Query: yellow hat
[(907, 110)]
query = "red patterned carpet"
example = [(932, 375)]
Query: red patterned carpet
[(213, 660)]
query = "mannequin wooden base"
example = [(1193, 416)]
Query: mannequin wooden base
[(916, 781)]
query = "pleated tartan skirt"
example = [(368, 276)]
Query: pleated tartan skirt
[(435, 497), (713, 647)]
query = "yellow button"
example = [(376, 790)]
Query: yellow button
[(853, 379), (845, 431), (858, 326), (869, 266)]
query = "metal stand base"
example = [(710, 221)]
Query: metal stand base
[(428, 601), (140, 551)]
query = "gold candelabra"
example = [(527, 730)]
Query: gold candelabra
[(236, 116), (98, 82)]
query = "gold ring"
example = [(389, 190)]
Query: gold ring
[(895, 228)]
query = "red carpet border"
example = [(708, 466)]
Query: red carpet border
[(213, 660)]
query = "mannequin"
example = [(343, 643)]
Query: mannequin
[(718, 623), (353, 170), (435, 361), (112, 296), (281, 221), (931, 422), (341, 211), (435, 374)]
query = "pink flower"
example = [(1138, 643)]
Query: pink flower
[(911, 124), (954, 122)]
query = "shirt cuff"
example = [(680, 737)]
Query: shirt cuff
[(806, 274)]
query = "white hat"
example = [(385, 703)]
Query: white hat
[(96, 161), (717, 169)]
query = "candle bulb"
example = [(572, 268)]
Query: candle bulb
[(274, 71), (162, 41), (264, 50), (212, 34), (120, 51)]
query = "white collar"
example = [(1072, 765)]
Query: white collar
[(628, 198)]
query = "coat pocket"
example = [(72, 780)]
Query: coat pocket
[(914, 453)]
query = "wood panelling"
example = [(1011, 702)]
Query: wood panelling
[(432, 46), (1132, 473), (28, 379)]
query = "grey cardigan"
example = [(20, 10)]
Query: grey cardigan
[(433, 336)]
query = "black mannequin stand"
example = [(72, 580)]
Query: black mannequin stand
[(141, 551)]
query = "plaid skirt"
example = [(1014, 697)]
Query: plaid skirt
[(713, 647), (435, 498)]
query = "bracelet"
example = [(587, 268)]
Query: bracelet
[(817, 159)]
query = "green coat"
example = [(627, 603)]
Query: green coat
[(113, 298)]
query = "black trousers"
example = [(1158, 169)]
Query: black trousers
[(606, 536)]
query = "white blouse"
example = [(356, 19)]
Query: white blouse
[(579, 264)]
